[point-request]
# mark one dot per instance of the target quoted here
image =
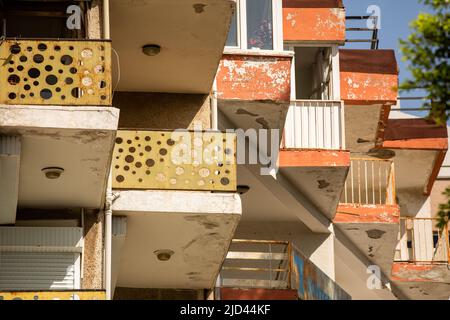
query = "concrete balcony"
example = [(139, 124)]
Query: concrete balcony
[(55, 99), (191, 37), (367, 213), (273, 270), (421, 259), (177, 190), (368, 91), (253, 87), (313, 154), (312, 21)]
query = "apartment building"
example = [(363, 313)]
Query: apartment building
[(215, 149)]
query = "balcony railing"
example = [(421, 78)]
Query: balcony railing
[(314, 124), (276, 265), (421, 241), (370, 182), (174, 160), (55, 72)]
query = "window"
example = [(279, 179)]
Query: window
[(39, 19), (256, 25), (259, 24), (313, 69), (232, 40)]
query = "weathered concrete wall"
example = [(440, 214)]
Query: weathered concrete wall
[(162, 110), (122, 293), (95, 20), (368, 76), (93, 251), (254, 77), (313, 21)]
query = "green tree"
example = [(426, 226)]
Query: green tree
[(427, 50)]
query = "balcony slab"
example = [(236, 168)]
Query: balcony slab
[(197, 226), (319, 174), (78, 139), (422, 281), (191, 36), (373, 228)]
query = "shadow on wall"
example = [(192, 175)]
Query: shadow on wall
[(162, 110)]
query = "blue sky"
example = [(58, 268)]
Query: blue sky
[(396, 16)]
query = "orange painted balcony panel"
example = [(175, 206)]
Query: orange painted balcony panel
[(368, 76), (250, 76), (415, 134), (358, 213), (420, 272), (312, 20), (313, 158)]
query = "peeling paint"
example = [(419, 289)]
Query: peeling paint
[(250, 77), (358, 213), (314, 24)]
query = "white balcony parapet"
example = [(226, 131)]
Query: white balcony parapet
[(314, 124), (421, 241)]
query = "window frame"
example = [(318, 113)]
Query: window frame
[(241, 27)]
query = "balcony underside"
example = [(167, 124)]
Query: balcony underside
[(419, 146), (191, 36), (246, 114), (362, 126), (373, 229), (422, 281), (318, 174), (197, 226), (78, 139)]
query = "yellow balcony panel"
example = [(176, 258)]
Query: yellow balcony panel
[(175, 160), (55, 72), (54, 295)]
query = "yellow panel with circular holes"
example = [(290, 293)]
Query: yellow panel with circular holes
[(74, 72), (174, 160)]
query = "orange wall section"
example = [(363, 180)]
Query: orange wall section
[(314, 20), (254, 77), (368, 76)]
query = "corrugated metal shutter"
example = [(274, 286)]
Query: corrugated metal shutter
[(40, 258), (39, 270)]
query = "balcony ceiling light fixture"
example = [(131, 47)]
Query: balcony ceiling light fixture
[(241, 189), (151, 49), (52, 172), (164, 254)]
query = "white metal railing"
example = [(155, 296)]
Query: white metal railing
[(370, 181), (421, 241), (314, 124)]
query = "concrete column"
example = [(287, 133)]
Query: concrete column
[(93, 251)]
